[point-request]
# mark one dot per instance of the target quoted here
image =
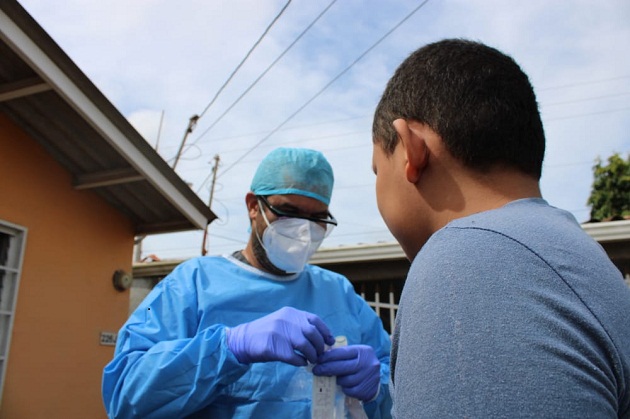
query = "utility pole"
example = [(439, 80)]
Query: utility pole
[(138, 247), (191, 126), (159, 133), (204, 250), (138, 239)]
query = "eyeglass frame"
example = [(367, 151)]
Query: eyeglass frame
[(282, 214)]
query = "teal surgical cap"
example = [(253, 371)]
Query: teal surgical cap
[(297, 171)]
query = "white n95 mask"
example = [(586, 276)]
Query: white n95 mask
[(290, 242)]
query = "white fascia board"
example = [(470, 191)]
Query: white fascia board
[(63, 85), (602, 232), (367, 252), (609, 231)]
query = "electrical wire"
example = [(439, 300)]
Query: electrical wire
[(609, 111), (238, 99), (344, 71), (294, 127), (543, 106), (585, 99), (195, 118), (565, 86), (245, 58), (547, 120), (301, 140), (549, 88)]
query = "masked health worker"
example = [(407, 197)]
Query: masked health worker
[(241, 335)]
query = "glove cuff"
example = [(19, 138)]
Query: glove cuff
[(234, 343), (378, 391)]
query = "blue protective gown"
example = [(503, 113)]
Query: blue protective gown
[(172, 358)]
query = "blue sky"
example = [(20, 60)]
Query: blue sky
[(161, 62)]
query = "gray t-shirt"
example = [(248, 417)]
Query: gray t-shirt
[(514, 312)]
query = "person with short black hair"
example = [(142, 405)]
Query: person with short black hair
[(509, 309)]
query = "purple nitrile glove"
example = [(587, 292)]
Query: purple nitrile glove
[(357, 368), (277, 337)]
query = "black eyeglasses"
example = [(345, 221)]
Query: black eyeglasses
[(327, 219)]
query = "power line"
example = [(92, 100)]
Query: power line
[(565, 86), (325, 87), (238, 99), (609, 111), (586, 99), (294, 141), (245, 58), (300, 140), (192, 123), (543, 106), (293, 127)]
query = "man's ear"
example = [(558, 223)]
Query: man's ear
[(252, 205), (415, 149)]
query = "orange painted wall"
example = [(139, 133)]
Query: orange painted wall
[(75, 241)]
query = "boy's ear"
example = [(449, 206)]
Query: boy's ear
[(415, 149)]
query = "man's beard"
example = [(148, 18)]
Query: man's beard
[(261, 256)]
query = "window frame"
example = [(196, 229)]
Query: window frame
[(10, 274)]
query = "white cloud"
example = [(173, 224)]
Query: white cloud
[(155, 56)]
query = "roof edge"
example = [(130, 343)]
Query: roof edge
[(49, 61)]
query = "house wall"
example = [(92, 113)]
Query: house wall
[(75, 242)]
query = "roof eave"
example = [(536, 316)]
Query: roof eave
[(61, 74)]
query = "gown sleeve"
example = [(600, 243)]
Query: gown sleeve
[(373, 334), (164, 367)]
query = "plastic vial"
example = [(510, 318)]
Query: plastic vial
[(328, 400)]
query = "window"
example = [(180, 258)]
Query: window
[(12, 239)]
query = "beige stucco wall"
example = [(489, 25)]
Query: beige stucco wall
[(75, 242)]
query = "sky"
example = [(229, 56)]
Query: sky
[(314, 78)]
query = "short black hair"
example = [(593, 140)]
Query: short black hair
[(477, 99)]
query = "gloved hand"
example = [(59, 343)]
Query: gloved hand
[(277, 336), (357, 368)]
